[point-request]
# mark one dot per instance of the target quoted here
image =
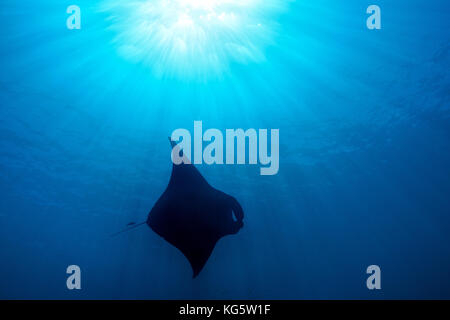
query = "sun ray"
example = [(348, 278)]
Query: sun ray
[(192, 38)]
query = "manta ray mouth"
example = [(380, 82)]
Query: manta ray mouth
[(185, 38)]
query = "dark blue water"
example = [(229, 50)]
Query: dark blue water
[(364, 119)]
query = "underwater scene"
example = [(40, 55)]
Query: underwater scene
[(224, 149)]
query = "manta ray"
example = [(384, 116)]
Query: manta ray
[(192, 215)]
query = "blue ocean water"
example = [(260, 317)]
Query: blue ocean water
[(364, 120)]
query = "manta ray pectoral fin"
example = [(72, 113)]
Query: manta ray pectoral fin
[(177, 149), (200, 257)]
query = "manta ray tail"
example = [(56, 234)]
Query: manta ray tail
[(129, 227)]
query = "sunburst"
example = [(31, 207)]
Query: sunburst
[(192, 38)]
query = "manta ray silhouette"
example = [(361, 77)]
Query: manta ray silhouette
[(192, 215)]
